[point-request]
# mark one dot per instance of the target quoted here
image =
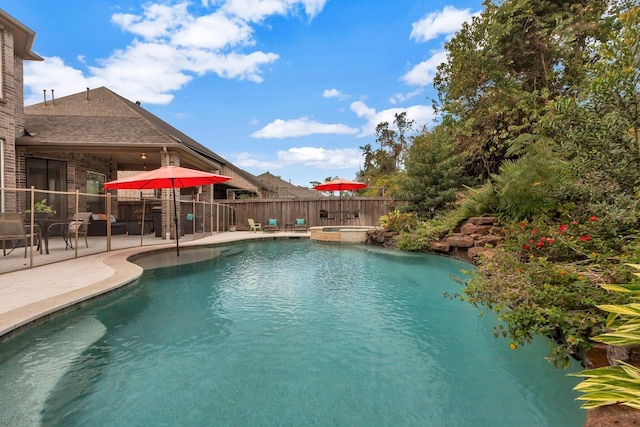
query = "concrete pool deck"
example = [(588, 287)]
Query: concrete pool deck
[(30, 296)]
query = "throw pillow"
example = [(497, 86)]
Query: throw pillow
[(273, 222), (300, 221)]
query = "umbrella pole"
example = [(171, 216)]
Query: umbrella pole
[(175, 220), (341, 214), (144, 201)]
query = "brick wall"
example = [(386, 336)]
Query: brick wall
[(8, 107)]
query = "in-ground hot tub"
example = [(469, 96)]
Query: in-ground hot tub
[(340, 233)]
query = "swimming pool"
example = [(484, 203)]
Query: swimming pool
[(283, 333)]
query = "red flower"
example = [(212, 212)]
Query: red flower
[(527, 247), (522, 223), (574, 222), (593, 218), (533, 231), (562, 228), (585, 238), (550, 240), (531, 240), (540, 244)]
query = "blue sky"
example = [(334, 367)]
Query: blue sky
[(293, 87)]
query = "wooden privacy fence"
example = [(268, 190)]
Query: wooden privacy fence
[(369, 210)]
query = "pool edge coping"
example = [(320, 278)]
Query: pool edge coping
[(124, 274)]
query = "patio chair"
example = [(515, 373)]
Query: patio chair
[(301, 223), (254, 226), (271, 225), (324, 215), (80, 222), (12, 229), (353, 216)]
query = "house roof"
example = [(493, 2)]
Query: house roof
[(100, 120), (23, 37), (285, 189)]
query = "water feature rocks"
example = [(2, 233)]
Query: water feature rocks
[(476, 236)]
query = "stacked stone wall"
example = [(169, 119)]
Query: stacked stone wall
[(478, 235)]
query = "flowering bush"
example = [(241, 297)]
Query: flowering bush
[(546, 280), (398, 221), (568, 240)]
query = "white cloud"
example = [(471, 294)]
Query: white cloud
[(301, 127), (215, 31), (445, 22), (52, 73), (343, 158), (317, 157), (171, 45), (423, 73), (333, 93), (258, 10), (421, 114), (156, 21), (401, 97)]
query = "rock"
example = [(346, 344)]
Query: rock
[(487, 240), (629, 354), (596, 357), (439, 246), (483, 220), (478, 250), (612, 415), (468, 228), (460, 240)]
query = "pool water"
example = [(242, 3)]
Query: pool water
[(290, 333)]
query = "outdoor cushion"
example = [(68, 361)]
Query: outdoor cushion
[(299, 221), (273, 222)]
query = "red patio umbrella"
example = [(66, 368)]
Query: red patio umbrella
[(340, 185), (167, 177)]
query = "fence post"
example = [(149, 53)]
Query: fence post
[(76, 223), (31, 223), (108, 222)]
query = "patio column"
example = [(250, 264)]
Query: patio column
[(170, 158)]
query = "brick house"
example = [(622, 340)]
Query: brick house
[(16, 41), (80, 141)]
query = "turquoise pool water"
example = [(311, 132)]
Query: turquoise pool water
[(290, 333)]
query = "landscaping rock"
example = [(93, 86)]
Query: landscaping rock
[(439, 246), (469, 229), (478, 250), (483, 220), (460, 240)]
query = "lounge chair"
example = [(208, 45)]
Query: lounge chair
[(254, 226), (300, 223), (12, 229), (271, 225)]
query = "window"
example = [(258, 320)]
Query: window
[(95, 185), (45, 174)]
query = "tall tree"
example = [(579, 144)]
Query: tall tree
[(506, 66), (393, 141), (433, 173)]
